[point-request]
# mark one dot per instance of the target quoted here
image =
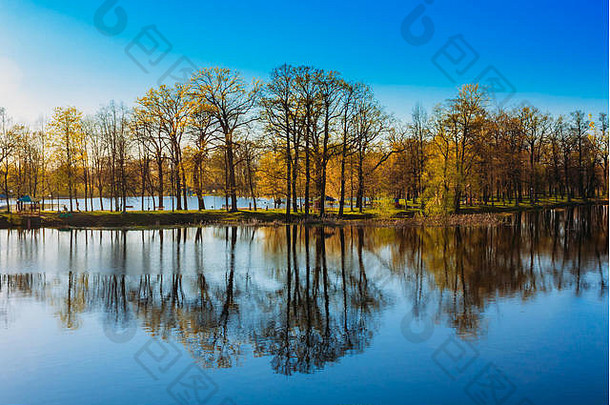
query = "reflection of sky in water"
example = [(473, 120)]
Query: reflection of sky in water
[(542, 322)]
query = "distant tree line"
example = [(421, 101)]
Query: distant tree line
[(304, 135)]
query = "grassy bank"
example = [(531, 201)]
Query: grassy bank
[(381, 215)]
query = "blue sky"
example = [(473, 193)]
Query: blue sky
[(552, 54)]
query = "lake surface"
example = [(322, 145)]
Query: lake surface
[(147, 203), (511, 314)]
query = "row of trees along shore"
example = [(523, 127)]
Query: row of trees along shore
[(305, 134)]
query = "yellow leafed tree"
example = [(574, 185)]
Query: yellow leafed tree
[(67, 140)]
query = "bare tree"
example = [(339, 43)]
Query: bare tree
[(370, 123), (330, 93), (200, 130), (280, 111), (228, 99), (6, 147), (114, 126)]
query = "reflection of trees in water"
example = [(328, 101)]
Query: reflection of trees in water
[(299, 324), (311, 315), (18, 285), (324, 313), (464, 268), (321, 296)]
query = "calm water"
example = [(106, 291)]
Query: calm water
[(137, 204), (513, 314)]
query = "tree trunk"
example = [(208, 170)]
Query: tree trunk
[(86, 187), (178, 188), (8, 203), (184, 186), (123, 185), (288, 176), (295, 206), (231, 173), (160, 190), (342, 192), (360, 191), (457, 200), (307, 173), (70, 187)]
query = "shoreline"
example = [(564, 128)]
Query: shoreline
[(469, 216)]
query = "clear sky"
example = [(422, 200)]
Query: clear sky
[(553, 54)]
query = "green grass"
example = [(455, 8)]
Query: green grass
[(382, 210), (527, 205)]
